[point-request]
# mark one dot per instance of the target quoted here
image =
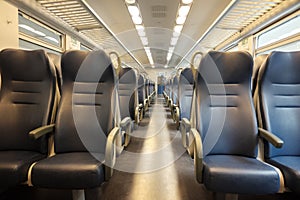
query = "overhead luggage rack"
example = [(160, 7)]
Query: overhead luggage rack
[(78, 15), (237, 20)]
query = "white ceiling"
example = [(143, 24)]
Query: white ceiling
[(159, 19)]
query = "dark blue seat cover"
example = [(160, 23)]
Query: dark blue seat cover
[(185, 92), (279, 104), (26, 101), (127, 92), (84, 120), (141, 89), (175, 90), (228, 127)]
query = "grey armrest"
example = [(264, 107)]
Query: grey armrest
[(270, 137), (185, 129), (39, 132), (141, 106), (137, 114), (126, 126), (110, 152), (187, 124), (198, 154), (177, 116)]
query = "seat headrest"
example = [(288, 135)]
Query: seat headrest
[(127, 75), (12, 59), (141, 80), (277, 61), (217, 67), (90, 64), (187, 75)]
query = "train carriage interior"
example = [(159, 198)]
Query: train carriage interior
[(150, 99)]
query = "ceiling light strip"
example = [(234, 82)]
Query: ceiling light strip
[(134, 11), (182, 13)]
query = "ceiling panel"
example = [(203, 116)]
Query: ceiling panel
[(207, 25)]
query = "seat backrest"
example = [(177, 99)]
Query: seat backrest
[(141, 89), (226, 121), (170, 88), (85, 114), (152, 86), (26, 98), (127, 92), (185, 92), (279, 94), (259, 60), (146, 88), (175, 90)]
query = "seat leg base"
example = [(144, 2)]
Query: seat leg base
[(78, 195)]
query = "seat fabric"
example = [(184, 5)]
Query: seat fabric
[(14, 166), (290, 168), (228, 174), (81, 169)]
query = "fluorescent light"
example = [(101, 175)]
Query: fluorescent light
[(137, 20), (173, 41), (187, 1), (183, 11), (40, 33), (28, 28), (52, 39), (144, 41), (178, 28), (180, 20), (166, 66), (147, 50), (171, 49), (150, 60), (176, 34), (139, 27), (141, 33), (130, 1), (134, 10), (169, 56)]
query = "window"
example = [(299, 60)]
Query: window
[(294, 46), (84, 48), (30, 46), (234, 48), (286, 29), (38, 34)]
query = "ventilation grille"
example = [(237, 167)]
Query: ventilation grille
[(159, 11)]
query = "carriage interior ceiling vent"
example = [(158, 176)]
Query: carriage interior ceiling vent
[(159, 11), (238, 15), (82, 19)]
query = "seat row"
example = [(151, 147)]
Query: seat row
[(62, 127), (239, 148)]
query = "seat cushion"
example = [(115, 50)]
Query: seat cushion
[(239, 175), (14, 166), (290, 167), (78, 170)]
